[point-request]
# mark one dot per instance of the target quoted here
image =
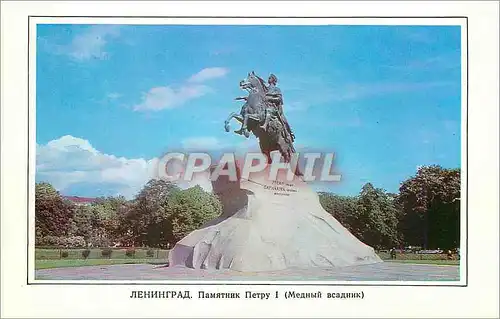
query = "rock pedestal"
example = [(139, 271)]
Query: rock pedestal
[(270, 225)]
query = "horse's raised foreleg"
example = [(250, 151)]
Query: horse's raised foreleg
[(233, 115)]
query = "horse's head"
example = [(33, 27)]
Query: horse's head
[(252, 82)]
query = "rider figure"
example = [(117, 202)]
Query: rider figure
[(275, 104)]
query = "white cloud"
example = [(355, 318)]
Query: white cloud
[(69, 161), (68, 142), (114, 96), (87, 45), (92, 43), (208, 74), (168, 97), (165, 97)]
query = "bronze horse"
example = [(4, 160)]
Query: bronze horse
[(252, 117)]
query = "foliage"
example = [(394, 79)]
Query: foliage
[(82, 222), (342, 208), (106, 252), (188, 210), (55, 241), (105, 222), (53, 214), (73, 241), (413, 256), (95, 253), (52, 241), (85, 253), (99, 239), (377, 222), (143, 222), (425, 212), (64, 254), (130, 252), (371, 216), (430, 202)]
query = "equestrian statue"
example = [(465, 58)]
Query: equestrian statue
[(262, 114)]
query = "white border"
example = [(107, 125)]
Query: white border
[(235, 20), (34, 21), (464, 152), (479, 299), (32, 149)]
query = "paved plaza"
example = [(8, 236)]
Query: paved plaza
[(387, 271)]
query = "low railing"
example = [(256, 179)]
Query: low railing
[(418, 256), (49, 253)]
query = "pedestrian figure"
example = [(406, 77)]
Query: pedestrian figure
[(393, 253)]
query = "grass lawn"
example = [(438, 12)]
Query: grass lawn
[(57, 263), (426, 262)]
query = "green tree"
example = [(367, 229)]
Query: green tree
[(188, 210), (53, 214), (146, 216), (378, 218), (431, 208), (372, 216), (105, 220), (125, 224), (344, 209), (110, 204), (82, 222)]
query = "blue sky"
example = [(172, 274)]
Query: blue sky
[(111, 98)]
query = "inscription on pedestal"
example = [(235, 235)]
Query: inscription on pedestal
[(281, 188)]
